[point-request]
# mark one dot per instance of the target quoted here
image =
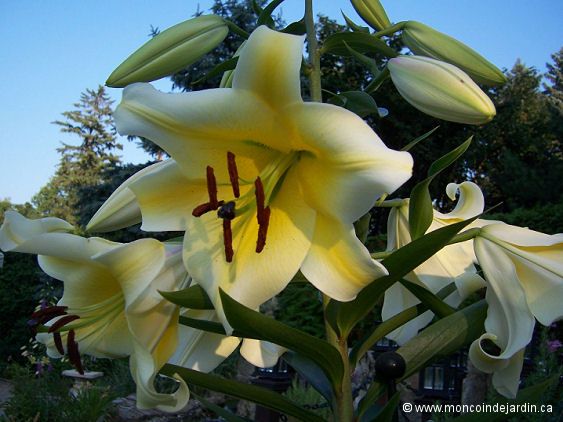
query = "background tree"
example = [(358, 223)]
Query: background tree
[(81, 166)]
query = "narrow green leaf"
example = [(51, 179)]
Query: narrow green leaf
[(194, 297), (311, 372), (252, 324), (375, 391), (411, 144), (296, 28), (357, 102), (256, 8), (421, 212), (353, 25), (385, 327), (436, 305), (378, 80), (217, 70), (344, 315), (239, 390), (218, 410), (449, 158), (200, 324), (386, 414), (265, 17), (359, 41), (365, 60), (444, 337)]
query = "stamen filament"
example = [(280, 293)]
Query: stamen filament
[(212, 188), (73, 353), (263, 230), (62, 322), (233, 173), (228, 240), (58, 342), (260, 199)]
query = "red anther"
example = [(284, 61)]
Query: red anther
[(233, 173), (58, 342), (73, 353), (201, 209), (52, 311), (260, 199), (62, 322), (263, 231), (212, 188), (228, 240)]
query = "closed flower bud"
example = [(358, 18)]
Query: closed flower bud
[(373, 13), (170, 51), (426, 41), (441, 90)]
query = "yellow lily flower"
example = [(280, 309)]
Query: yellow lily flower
[(111, 306), (524, 273), (263, 183), (453, 263)]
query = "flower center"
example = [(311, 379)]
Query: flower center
[(256, 200), (72, 319)]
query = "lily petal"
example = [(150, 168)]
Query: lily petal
[(261, 353), (338, 264), (269, 66), (471, 202), (343, 178), (17, 230)]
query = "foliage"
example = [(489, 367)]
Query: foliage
[(19, 279), (308, 397), (299, 306), (56, 403)]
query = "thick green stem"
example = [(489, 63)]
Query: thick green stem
[(314, 54)]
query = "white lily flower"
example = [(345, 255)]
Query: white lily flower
[(524, 273), (263, 183), (452, 264)]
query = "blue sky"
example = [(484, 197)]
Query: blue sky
[(51, 51)]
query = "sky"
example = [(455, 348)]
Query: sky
[(51, 51)]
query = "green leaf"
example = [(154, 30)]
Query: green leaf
[(436, 305), (265, 17), (170, 51), (444, 337), (385, 327), (357, 102), (386, 414), (204, 325), (411, 144), (252, 324), (359, 41), (421, 211), (296, 28), (448, 159), (378, 80), (344, 315), (217, 70), (218, 410), (311, 372), (375, 391), (354, 26), (194, 297), (239, 390), (365, 60)]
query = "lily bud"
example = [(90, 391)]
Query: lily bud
[(426, 41), (373, 13), (170, 51), (440, 90)]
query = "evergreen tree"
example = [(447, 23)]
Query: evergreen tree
[(81, 166)]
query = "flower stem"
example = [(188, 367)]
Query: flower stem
[(314, 54)]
